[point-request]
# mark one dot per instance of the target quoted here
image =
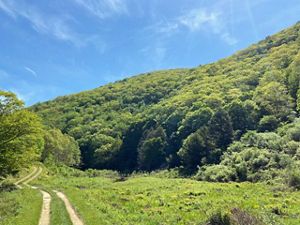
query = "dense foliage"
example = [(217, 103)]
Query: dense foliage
[(21, 136), (217, 114), (60, 148)]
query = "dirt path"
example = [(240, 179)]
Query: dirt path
[(73, 215), (34, 176), (45, 212), (25, 178)]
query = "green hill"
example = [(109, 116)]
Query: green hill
[(227, 114)]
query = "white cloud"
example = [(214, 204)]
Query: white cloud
[(31, 71), (53, 25), (167, 27), (225, 36), (198, 20), (104, 8), (5, 7)]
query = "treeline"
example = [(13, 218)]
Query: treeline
[(211, 119), (24, 140), (183, 118)]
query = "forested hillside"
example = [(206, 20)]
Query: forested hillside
[(235, 118)]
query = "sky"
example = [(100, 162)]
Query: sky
[(50, 48)]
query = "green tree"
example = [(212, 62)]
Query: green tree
[(21, 135), (128, 155), (293, 74), (194, 121), (193, 151), (105, 155), (273, 99), (151, 150), (220, 129), (61, 148), (268, 123), (238, 116)]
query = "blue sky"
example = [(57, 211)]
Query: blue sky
[(57, 47)]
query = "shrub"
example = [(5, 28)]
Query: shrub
[(219, 219), (240, 217), (242, 171), (216, 173), (7, 186), (170, 173), (293, 179), (102, 173), (235, 217), (268, 140)]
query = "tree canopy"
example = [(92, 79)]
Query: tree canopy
[(186, 117), (21, 134)]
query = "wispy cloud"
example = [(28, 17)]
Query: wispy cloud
[(6, 8), (31, 71), (55, 25), (104, 8), (195, 20)]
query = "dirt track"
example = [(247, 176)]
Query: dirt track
[(34, 176), (73, 215), (45, 211), (19, 182), (45, 214)]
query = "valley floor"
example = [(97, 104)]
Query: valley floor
[(149, 201)]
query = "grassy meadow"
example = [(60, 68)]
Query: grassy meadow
[(150, 200), (20, 207)]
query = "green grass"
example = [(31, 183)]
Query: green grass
[(23, 206), (59, 215), (20, 207), (149, 200)]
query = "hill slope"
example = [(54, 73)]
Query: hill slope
[(183, 117)]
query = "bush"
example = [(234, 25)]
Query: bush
[(293, 179), (216, 173), (242, 171), (102, 173), (219, 219), (235, 217), (268, 140), (240, 217), (171, 173), (6, 186)]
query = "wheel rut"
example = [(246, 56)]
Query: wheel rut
[(72, 213), (46, 206), (45, 211)]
